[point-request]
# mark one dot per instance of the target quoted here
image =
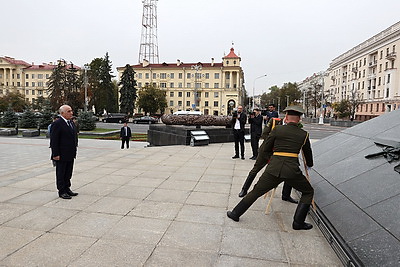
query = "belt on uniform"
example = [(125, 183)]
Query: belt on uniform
[(285, 154)]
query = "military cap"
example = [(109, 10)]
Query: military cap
[(294, 110)]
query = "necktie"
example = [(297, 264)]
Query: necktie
[(70, 124)]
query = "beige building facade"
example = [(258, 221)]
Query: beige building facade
[(369, 72), (29, 80), (212, 88)]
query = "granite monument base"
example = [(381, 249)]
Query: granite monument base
[(166, 135)]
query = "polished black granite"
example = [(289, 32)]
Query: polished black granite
[(360, 197)]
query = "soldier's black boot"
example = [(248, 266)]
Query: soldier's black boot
[(247, 184), (286, 190), (300, 216), (237, 211)]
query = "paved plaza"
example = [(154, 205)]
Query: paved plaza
[(143, 206)]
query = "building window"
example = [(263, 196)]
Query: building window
[(180, 75), (40, 84), (147, 75), (18, 76), (387, 92), (26, 76), (47, 75), (216, 75), (180, 85), (198, 75), (188, 103), (188, 75), (215, 103), (206, 85), (180, 103), (171, 85), (377, 107), (40, 92), (388, 79), (27, 92), (227, 85), (216, 94), (140, 85), (33, 84), (381, 55), (187, 94), (171, 94), (206, 103), (163, 85), (188, 85), (40, 76), (216, 85), (379, 81), (33, 76), (197, 85), (207, 75), (180, 94), (33, 92), (140, 75), (26, 84), (18, 84), (171, 103), (172, 75), (227, 62), (163, 76), (387, 51), (206, 94), (154, 75)]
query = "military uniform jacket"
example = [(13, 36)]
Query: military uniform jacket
[(290, 139)]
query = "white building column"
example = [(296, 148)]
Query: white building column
[(10, 83)]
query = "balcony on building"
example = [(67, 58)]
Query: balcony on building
[(373, 63), (391, 56)]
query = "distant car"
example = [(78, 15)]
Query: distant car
[(145, 119), (115, 117)]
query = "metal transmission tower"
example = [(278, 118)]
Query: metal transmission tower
[(148, 42)]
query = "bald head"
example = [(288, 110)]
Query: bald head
[(292, 118), (66, 112)]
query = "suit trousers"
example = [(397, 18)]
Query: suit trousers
[(125, 140), (255, 139), (267, 182), (238, 136), (63, 175)]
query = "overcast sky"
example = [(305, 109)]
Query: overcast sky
[(288, 40)]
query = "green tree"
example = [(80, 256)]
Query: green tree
[(152, 99), (14, 100), (86, 121), (128, 90), (37, 104), (103, 95), (342, 108), (289, 94), (47, 115), (28, 119), (314, 96), (57, 86), (10, 119)]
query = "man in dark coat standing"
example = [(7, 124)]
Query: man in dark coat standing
[(285, 143), (125, 135), (238, 122), (255, 121), (63, 143)]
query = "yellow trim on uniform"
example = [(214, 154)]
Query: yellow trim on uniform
[(286, 154)]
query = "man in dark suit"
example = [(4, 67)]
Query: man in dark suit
[(255, 121), (125, 135), (238, 122), (63, 143), (285, 143)]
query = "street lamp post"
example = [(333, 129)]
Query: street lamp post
[(197, 68), (86, 68), (254, 84)]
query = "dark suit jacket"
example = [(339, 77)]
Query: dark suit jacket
[(122, 133), (256, 124), (63, 140), (242, 120)]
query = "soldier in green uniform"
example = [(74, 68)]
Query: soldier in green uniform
[(262, 160), (285, 143)]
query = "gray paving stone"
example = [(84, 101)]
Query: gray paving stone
[(208, 199), (178, 185), (9, 211), (41, 219), (172, 257), (132, 192), (88, 224), (50, 250), (146, 181), (80, 202), (247, 243), (159, 210), (202, 214), (167, 195), (193, 236), (98, 189), (114, 253), (212, 187), (113, 205), (35, 198), (230, 261), (7, 192)]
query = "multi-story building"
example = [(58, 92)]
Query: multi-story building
[(29, 80), (213, 88), (369, 73)]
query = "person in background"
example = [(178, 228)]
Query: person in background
[(125, 135), (238, 122), (255, 121)]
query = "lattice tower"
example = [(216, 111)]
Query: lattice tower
[(148, 41)]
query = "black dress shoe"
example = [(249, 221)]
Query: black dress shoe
[(242, 157), (243, 193), (235, 157), (64, 196), (253, 158), (72, 194), (233, 216), (289, 199)]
